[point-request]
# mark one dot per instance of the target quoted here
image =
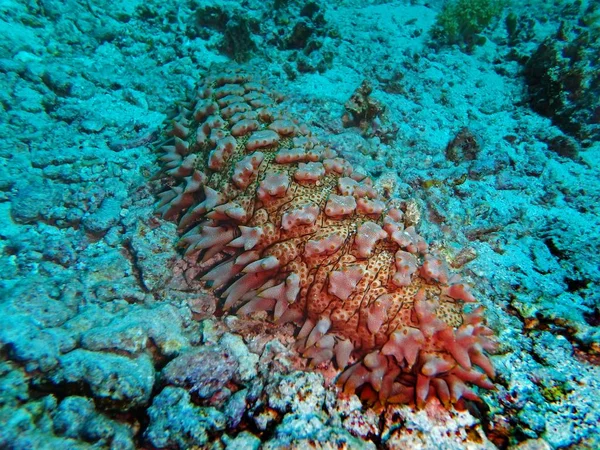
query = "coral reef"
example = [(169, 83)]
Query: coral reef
[(298, 233)]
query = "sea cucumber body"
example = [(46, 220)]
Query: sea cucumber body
[(302, 235)]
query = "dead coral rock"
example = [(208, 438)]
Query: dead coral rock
[(237, 28), (210, 371), (204, 371), (433, 427), (77, 418), (247, 361), (363, 423), (300, 34), (298, 392), (245, 440), (361, 107), (175, 422), (311, 431), (297, 28), (202, 306), (562, 74), (152, 254), (115, 381), (235, 408), (564, 146), (533, 444), (138, 328), (303, 28), (237, 39), (368, 114), (465, 146), (29, 205)]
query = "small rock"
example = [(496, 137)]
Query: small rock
[(34, 198), (176, 422), (235, 408), (104, 217), (245, 440), (247, 361), (116, 381), (92, 125), (204, 371)]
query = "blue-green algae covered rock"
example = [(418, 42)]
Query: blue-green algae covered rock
[(244, 440), (115, 381), (175, 422), (76, 418), (311, 431)]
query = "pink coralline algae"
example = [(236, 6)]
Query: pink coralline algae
[(296, 232)]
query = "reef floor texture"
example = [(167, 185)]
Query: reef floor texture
[(385, 236)]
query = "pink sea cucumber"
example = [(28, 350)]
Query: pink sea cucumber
[(298, 233)]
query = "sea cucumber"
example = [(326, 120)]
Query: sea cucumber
[(297, 232)]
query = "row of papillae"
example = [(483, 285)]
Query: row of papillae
[(301, 234)]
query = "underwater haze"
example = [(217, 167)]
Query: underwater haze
[(287, 224)]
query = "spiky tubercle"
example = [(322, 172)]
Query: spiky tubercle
[(303, 236)]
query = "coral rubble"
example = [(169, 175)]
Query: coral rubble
[(297, 232)]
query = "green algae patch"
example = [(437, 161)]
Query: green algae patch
[(462, 21)]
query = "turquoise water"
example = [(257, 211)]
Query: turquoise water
[(479, 120)]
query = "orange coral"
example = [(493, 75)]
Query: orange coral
[(304, 236)]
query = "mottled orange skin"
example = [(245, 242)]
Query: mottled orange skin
[(347, 302)]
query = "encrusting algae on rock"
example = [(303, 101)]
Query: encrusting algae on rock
[(298, 233)]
